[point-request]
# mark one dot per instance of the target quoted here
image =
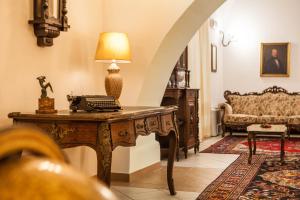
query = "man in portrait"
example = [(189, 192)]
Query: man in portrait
[(274, 65)]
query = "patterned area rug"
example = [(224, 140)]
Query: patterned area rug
[(239, 144), (275, 181), (265, 178), (233, 181)]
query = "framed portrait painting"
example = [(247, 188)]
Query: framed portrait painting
[(214, 58), (275, 60)]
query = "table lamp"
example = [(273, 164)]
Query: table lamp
[(113, 48)]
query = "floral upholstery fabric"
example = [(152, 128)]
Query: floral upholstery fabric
[(245, 104), (278, 104), (295, 104), (272, 119), (294, 120), (273, 108), (240, 119)]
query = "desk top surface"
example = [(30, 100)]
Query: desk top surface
[(125, 113)]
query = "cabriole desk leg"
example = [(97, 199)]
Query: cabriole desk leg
[(104, 153), (171, 157)]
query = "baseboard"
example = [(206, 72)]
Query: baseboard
[(121, 177)]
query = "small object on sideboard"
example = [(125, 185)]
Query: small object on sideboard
[(180, 77), (46, 104)]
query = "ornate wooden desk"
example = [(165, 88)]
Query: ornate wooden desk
[(105, 131)]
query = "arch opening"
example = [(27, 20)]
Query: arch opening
[(171, 48)]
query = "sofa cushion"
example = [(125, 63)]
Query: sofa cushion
[(272, 119), (240, 119), (294, 120), (278, 104), (248, 105), (295, 104)]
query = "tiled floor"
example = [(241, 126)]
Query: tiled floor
[(191, 177)]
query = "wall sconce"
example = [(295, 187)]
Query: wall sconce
[(224, 43), (49, 19), (213, 24)]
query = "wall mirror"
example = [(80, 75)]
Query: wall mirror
[(49, 19)]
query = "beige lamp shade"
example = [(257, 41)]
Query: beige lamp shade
[(113, 47)]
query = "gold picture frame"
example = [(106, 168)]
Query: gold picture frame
[(275, 59)]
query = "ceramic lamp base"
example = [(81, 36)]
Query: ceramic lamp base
[(113, 81)]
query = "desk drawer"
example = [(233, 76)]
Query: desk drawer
[(153, 124), (123, 134), (68, 132), (140, 127), (167, 123)]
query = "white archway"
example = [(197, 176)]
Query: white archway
[(158, 32), (170, 49)]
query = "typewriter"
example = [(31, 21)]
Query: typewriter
[(93, 103)]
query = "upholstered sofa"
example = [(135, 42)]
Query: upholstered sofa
[(274, 105)]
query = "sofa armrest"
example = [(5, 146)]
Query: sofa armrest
[(226, 107)]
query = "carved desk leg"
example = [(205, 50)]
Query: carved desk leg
[(173, 141), (104, 153), (171, 156), (177, 137)]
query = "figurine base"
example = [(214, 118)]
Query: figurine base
[(45, 111), (46, 106)]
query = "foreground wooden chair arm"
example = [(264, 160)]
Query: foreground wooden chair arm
[(44, 174)]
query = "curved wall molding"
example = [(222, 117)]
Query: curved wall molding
[(158, 32), (171, 47)]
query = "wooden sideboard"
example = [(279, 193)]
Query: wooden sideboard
[(103, 132), (187, 115)]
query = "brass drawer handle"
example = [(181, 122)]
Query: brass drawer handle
[(152, 123), (123, 133), (139, 126)]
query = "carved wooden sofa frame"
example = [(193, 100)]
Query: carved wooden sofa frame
[(243, 126)]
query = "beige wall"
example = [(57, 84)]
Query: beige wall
[(68, 65), (159, 31), (216, 79), (147, 23), (251, 23)]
